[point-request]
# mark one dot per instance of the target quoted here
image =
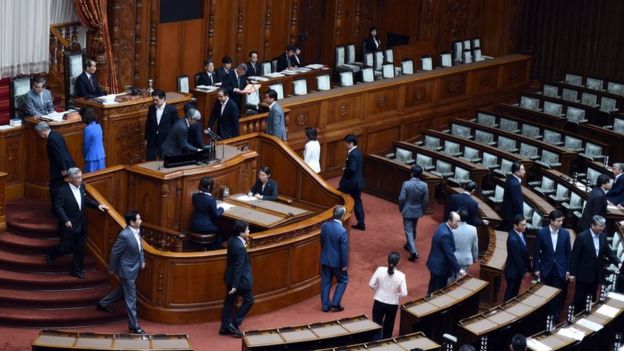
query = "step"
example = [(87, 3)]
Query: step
[(31, 218), (50, 299), (52, 281), (38, 264), (52, 318), (26, 245)]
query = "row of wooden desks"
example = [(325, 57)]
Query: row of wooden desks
[(264, 214)]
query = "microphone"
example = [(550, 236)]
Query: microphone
[(212, 134)]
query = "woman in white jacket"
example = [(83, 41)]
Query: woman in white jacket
[(389, 285), (312, 150)]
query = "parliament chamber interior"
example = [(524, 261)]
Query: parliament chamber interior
[(467, 90)]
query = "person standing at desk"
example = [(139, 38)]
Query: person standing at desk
[(87, 85), (596, 202), (512, 197), (177, 140), (466, 241), (616, 193), (238, 279), (518, 262), (38, 99), (264, 188), (352, 180), (227, 113), (442, 263), (465, 200), (334, 260), (275, 123), (206, 212), (160, 118), (413, 202), (312, 150), (92, 144), (58, 157)]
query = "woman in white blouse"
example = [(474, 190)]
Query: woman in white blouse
[(312, 150), (389, 285)]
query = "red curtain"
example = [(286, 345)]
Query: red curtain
[(92, 14)]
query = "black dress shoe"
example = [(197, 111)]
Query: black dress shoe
[(234, 331), (78, 275), (359, 227), (406, 247), (138, 330), (101, 307), (338, 308)]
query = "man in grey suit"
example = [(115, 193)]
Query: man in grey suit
[(275, 124), (466, 241), (126, 261), (38, 99), (413, 202)]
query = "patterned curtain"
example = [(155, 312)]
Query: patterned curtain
[(92, 14)]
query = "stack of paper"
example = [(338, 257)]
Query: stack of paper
[(608, 311), (589, 324), (536, 345), (54, 116), (615, 296), (315, 66), (246, 198), (225, 206), (273, 75), (258, 79), (289, 72), (207, 87), (572, 333)]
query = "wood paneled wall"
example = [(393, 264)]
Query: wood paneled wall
[(146, 49), (574, 35)]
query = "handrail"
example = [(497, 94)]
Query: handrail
[(112, 212)]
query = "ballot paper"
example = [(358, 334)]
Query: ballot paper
[(536, 345), (225, 206), (54, 116), (572, 333), (589, 324), (615, 296), (207, 87), (315, 66), (608, 311), (258, 79), (245, 198)]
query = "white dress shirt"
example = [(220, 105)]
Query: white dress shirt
[(388, 288), (312, 155), (553, 236), (223, 105), (159, 113), (596, 240), (137, 236), (76, 191)]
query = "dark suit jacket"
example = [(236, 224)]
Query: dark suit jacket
[(58, 155), (156, 134), (352, 178), (547, 260), (205, 79), (442, 261), (369, 45), (223, 76), (228, 122), (518, 262), (177, 140), (296, 60), (596, 205), (66, 208), (238, 268), (235, 82), (85, 89), (334, 245), (283, 62), (257, 71), (616, 194), (584, 265), (195, 135), (205, 213), (465, 201), (512, 199), (270, 189)]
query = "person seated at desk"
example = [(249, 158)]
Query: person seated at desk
[(177, 140), (265, 188), (205, 211), (285, 61), (208, 76), (38, 99), (87, 85)]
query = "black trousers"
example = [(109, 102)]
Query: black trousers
[(436, 282), (581, 290), (358, 207), (55, 184), (228, 307), (513, 287), (557, 303), (384, 314), (71, 242)]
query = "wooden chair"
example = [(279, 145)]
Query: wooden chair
[(203, 240)]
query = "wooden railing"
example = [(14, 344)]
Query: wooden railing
[(257, 123), (162, 238)]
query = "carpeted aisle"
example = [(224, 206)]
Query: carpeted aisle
[(369, 249)]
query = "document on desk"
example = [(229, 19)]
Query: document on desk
[(593, 326), (54, 116), (225, 206), (245, 198), (536, 345), (615, 296), (608, 311), (207, 88), (572, 333), (315, 66)]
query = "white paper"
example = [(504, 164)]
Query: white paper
[(536, 345), (615, 296), (273, 75), (258, 78), (246, 198), (225, 206), (572, 333), (589, 324), (289, 72), (7, 126), (54, 116), (315, 66), (608, 311)]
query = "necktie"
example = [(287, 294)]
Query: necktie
[(91, 81)]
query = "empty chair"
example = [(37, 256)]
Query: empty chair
[(486, 119), (425, 162), (389, 56), (252, 101), (460, 176), (407, 66), (266, 67), (346, 79), (589, 99), (549, 159), (183, 84), (527, 211), (279, 89), (608, 104), (273, 66), (490, 161), (323, 82), (340, 55), (507, 144), (432, 143), (504, 169), (369, 60), (535, 222), (300, 87), (572, 143), (529, 151), (508, 125), (562, 194), (484, 137), (618, 125), (529, 103), (451, 148), (350, 59), (575, 204), (461, 131), (443, 169), (426, 63), (387, 70), (471, 154), (615, 88), (546, 187), (569, 95), (446, 60), (551, 137), (550, 90), (499, 191), (592, 152), (594, 84), (574, 79), (378, 59), (403, 155), (553, 109), (368, 75), (531, 131), (592, 176), (575, 115)]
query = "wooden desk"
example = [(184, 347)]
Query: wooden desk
[(312, 336), (261, 213), (525, 314), (439, 313), (492, 265), (400, 343), (123, 126), (84, 341), (384, 178)]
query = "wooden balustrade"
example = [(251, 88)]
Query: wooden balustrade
[(162, 238)]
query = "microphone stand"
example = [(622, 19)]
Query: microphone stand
[(216, 138)]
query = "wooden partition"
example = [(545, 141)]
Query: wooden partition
[(188, 287), (492, 265), (404, 342), (87, 341)]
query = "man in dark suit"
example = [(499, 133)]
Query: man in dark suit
[(296, 59), (87, 85), (285, 60), (160, 119), (552, 257), (227, 113), (513, 198), (58, 157), (465, 201), (442, 263), (236, 84), (597, 201), (195, 131), (517, 263), (238, 279), (589, 253), (126, 261), (616, 193), (352, 181), (70, 206), (334, 260), (275, 122), (225, 73), (254, 68), (208, 76), (177, 141), (413, 202)]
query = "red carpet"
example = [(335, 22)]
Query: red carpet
[(368, 250)]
